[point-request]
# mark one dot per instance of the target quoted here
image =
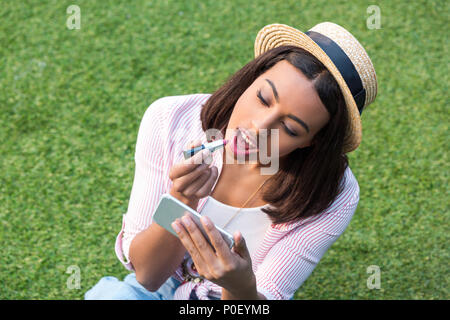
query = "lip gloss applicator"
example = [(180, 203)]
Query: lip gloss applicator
[(212, 146)]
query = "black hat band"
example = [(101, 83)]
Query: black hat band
[(344, 65)]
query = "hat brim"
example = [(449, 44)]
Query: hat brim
[(276, 35)]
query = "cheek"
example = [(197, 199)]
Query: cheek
[(243, 111), (284, 147), (239, 113), (244, 106), (242, 115)]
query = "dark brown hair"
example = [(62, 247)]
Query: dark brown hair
[(308, 179)]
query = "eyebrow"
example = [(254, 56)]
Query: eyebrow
[(291, 116)]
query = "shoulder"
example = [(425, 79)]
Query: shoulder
[(170, 107), (337, 216), (335, 219), (347, 200), (172, 114), (350, 190), (177, 121)]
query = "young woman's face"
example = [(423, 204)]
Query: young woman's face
[(281, 98)]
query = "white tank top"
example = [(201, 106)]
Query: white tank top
[(251, 222)]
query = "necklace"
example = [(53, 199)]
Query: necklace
[(260, 186)]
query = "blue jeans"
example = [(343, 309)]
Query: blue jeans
[(110, 288)]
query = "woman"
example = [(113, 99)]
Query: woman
[(306, 91)]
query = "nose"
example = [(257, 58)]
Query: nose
[(267, 121)]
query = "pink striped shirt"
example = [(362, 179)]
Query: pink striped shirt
[(288, 253)]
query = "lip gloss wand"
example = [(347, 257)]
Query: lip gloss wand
[(212, 146)]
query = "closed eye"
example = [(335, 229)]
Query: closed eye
[(261, 98), (288, 131)]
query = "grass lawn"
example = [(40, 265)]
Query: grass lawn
[(71, 103)]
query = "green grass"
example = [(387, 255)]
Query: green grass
[(71, 103)]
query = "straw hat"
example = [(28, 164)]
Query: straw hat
[(342, 55)]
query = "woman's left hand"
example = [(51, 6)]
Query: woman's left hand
[(229, 268)]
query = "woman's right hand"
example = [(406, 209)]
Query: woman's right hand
[(192, 178)]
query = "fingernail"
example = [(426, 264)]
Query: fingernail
[(206, 153), (205, 222), (208, 160), (186, 221), (176, 227)]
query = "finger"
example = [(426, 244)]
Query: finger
[(207, 187), (203, 156), (186, 181), (198, 177), (193, 144), (201, 244), (188, 165), (240, 246), (188, 243), (193, 187), (221, 247)]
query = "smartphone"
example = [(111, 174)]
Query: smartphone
[(170, 208)]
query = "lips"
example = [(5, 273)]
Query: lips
[(241, 143), (246, 134), (240, 146)]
